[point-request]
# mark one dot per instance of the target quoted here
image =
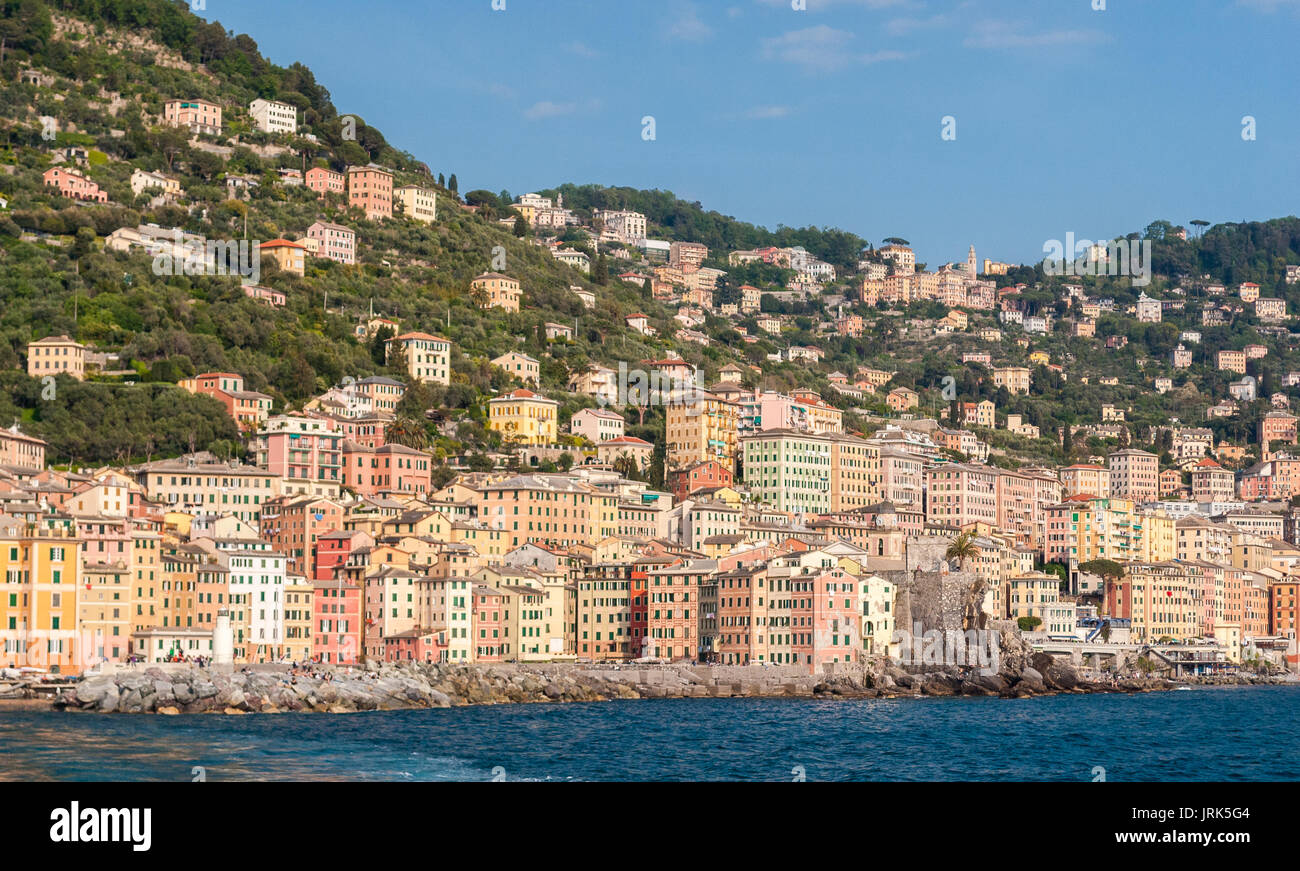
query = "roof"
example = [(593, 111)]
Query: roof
[(428, 337), (281, 243)]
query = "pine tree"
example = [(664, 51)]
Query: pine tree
[(452, 185)]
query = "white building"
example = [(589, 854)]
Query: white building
[(272, 117), (259, 577), (597, 424)]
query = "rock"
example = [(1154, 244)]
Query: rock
[(1032, 678), (940, 684), (1061, 676), (233, 710), (93, 689), (552, 691), (168, 710)]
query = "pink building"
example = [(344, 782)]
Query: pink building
[(300, 452), (199, 116), (248, 408), (73, 185), (824, 620), (20, 449), (367, 431), (391, 468), (333, 548), (336, 242), (416, 645), (491, 624), (104, 540), (277, 298), (325, 181), (958, 494), (370, 189), (336, 621)]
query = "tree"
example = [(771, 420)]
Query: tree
[(625, 465), (452, 184), (408, 431), (600, 274), (521, 226), (1029, 624), (962, 549)]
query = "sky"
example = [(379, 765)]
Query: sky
[(998, 123)]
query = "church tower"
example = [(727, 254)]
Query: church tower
[(970, 263)]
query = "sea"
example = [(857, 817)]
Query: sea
[(1203, 734)]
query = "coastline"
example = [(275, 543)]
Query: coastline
[(172, 689)]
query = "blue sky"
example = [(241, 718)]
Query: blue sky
[(1068, 119)]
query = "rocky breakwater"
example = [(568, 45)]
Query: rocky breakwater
[(187, 690), (191, 690)]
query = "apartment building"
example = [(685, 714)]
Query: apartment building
[(325, 181), (272, 116), (200, 116), (494, 290), (1134, 475), (370, 189), (56, 355), (418, 203), (524, 417), (42, 573), (526, 369), (550, 509), (427, 357), (700, 426), (304, 452), (334, 242)]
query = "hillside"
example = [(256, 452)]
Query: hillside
[(102, 69)]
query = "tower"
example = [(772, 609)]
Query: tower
[(970, 263)]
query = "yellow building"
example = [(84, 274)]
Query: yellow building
[(701, 427), (417, 202), (525, 417), (56, 355), (291, 257), (104, 613), (1014, 378), (38, 602), (298, 595), (146, 598), (497, 291)]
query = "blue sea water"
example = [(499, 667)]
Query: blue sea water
[(1241, 734)]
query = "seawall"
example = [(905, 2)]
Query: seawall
[(177, 689)]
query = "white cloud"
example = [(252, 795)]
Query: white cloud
[(1001, 35), (822, 49), (545, 109), (767, 113), (905, 25), (686, 24), (1270, 5), (819, 5), (581, 49)]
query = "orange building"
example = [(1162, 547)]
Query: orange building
[(370, 189)]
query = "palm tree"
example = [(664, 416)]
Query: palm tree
[(625, 464), (407, 431), (962, 548)]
